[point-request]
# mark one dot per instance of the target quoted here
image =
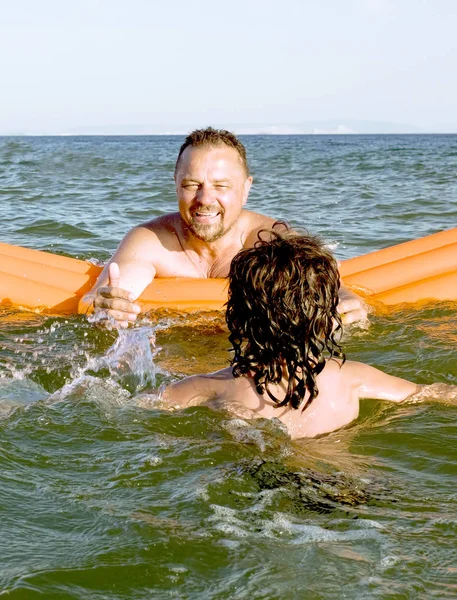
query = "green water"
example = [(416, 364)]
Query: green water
[(104, 496)]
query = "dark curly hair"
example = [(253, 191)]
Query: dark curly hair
[(201, 138), (282, 313)]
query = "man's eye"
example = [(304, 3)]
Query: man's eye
[(190, 186), (222, 187)]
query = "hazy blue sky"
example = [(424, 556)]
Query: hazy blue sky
[(112, 65)]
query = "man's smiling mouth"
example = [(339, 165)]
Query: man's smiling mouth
[(204, 214)]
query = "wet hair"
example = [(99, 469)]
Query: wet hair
[(201, 138), (282, 313)]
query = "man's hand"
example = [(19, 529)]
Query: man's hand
[(116, 302), (351, 307)]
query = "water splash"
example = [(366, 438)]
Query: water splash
[(17, 392), (131, 358)]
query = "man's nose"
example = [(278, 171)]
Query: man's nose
[(205, 195)]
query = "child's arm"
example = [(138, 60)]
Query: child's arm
[(373, 383), (190, 391)]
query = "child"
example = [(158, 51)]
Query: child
[(285, 331)]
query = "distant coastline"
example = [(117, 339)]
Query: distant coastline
[(241, 134), (330, 127)]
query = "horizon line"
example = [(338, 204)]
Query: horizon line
[(264, 133)]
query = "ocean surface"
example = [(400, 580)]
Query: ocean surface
[(104, 496)]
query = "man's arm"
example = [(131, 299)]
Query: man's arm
[(124, 278)]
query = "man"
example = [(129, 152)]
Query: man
[(212, 185)]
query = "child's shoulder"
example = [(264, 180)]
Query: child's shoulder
[(344, 375), (197, 389), (347, 367)]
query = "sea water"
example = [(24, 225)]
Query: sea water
[(103, 495)]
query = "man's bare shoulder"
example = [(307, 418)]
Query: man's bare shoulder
[(151, 235), (255, 219), (167, 224), (253, 223)]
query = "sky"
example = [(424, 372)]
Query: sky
[(288, 66)]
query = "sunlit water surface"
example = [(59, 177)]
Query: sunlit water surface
[(102, 495)]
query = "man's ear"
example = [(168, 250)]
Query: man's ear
[(246, 189)]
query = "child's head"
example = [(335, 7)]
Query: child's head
[(282, 313)]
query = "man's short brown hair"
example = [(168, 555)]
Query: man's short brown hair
[(201, 138)]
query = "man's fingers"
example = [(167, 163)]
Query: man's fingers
[(110, 292), (114, 275), (352, 310), (346, 306), (120, 315), (114, 302), (111, 319), (353, 316), (117, 304), (110, 324)]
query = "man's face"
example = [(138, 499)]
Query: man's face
[(212, 188)]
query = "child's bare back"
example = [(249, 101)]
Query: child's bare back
[(337, 404)]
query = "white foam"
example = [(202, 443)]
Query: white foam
[(389, 561), (246, 433), (146, 458), (104, 392), (242, 524)]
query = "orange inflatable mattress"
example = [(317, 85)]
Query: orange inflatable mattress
[(422, 269)]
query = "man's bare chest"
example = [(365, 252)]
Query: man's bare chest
[(176, 262)]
